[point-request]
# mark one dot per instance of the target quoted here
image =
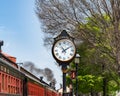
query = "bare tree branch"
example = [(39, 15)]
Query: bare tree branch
[(70, 15)]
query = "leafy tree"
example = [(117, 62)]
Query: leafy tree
[(56, 15), (91, 73), (94, 22)]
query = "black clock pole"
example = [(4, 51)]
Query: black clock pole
[(64, 70), (64, 83), (64, 36)]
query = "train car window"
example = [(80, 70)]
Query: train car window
[(14, 90), (9, 88), (2, 68), (16, 82), (6, 82), (18, 90), (13, 79), (8, 79), (20, 86), (8, 71), (3, 81)]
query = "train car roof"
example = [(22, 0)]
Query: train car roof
[(6, 62), (29, 74), (35, 78), (3, 56)]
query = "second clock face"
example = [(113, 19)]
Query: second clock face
[(64, 50)]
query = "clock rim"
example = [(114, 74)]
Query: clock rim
[(61, 61)]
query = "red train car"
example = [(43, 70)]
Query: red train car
[(17, 81), (11, 79), (37, 87)]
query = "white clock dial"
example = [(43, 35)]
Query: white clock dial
[(64, 50)]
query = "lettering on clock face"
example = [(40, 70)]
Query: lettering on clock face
[(64, 50)]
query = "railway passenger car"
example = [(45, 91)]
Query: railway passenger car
[(17, 81), (11, 79), (36, 86)]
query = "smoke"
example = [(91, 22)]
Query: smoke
[(46, 72)]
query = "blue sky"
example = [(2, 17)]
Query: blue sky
[(21, 32)]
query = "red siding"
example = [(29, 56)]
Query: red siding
[(51, 93), (10, 84), (35, 90)]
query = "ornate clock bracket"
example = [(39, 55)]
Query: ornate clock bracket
[(63, 35)]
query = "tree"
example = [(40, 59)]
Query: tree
[(95, 22), (57, 15), (91, 73)]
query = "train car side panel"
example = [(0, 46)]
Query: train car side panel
[(11, 80), (10, 84), (35, 90)]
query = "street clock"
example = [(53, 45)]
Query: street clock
[(64, 49)]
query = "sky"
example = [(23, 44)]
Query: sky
[(22, 35)]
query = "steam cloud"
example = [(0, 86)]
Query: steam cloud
[(46, 72)]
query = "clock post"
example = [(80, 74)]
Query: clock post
[(64, 51)]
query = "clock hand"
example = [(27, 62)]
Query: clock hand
[(63, 50), (67, 48)]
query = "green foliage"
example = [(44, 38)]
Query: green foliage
[(88, 82), (95, 52), (112, 86)]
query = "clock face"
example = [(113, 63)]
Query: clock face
[(64, 50)]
